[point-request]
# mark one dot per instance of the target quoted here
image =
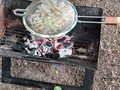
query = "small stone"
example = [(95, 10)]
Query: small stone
[(113, 82), (57, 88), (25, 39), (82, 50), (25, 63), (56, 72)]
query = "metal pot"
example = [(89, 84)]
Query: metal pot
[(25, 14)]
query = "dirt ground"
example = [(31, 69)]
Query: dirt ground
[(107, 76), (54, 73)]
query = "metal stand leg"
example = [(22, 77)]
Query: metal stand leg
[(6, 64), (89, 77), (7, 78)]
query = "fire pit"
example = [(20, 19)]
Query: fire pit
[(86, 38)]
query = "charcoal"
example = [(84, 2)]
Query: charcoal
[(68, 44), (61, 39), (54, 56), (49, 55), (28, 37), (18, 47), (49, 44), (31, 49)]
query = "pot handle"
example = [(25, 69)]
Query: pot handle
[(105, 20), (19, 12), (94, 22), (112, 20)]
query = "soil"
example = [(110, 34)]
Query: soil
[(107, 76), (54, 73)]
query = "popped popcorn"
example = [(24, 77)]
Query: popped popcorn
[(51, 17)]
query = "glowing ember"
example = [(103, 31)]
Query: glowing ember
[(61, 46)]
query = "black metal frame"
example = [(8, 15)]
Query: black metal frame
[(7, 78), (90, 66)]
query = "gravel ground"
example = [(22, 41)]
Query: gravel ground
[(54, 73), (107, 76)]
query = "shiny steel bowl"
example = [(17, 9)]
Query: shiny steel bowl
[(25, 14)]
